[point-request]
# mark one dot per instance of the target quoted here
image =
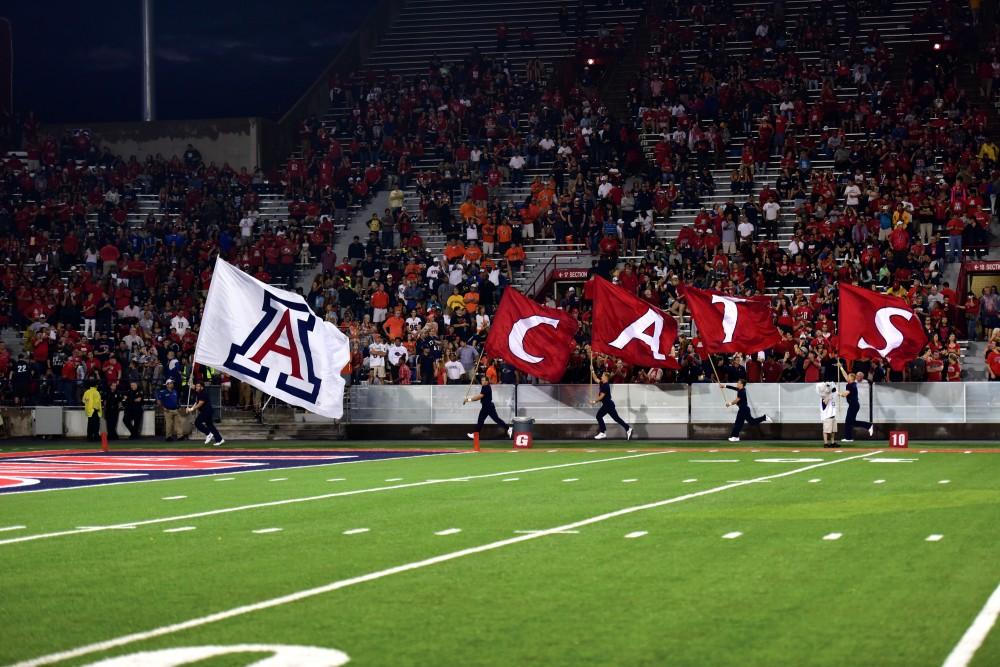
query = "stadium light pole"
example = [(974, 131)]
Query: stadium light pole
[(148, 99)]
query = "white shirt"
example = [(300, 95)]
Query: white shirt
[(180, 323), (454, 369), (604, 189), (397, 353), (745, 229), (375, 360), (771, 210), (546, 144), (516, 162), (829, 411), (851, 193), (246, 227)]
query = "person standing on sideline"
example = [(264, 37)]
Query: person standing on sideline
[(111, 404), (172, 421), (853, 406), (607, 407), (132, 407), (94, 410), (486, 409), (828, 414), (743, 414), (205, 421)]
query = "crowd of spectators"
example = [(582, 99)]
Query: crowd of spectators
[(493, 157)]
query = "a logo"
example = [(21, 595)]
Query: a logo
[(515, 339), (522, 440), (281, 337), (883, 322)]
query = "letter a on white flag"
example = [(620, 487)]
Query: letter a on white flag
[(271, 339)]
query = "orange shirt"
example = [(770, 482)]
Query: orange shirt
[(489, 232), (471, 301), (380, 299), (454, 250), (482, 215), (514, 254), (473, 254), (394, 327), (491, 373), (505, 233)]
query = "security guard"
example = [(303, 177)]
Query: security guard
[(173, 421), (132, 406), (94, 410)]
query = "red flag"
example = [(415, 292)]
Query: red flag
[(730, 323), (876, 325), (531, 337), (625, 326)]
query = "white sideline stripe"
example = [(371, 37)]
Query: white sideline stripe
[(278, 479), (935, 538), (448, 531), (9, 528), (732, 536), (174, 497), (974, 637), (290, 501), (264, 531), (635, 534), (224, 479), (833, 536), (179, 529), (124, 640), (356, 531)]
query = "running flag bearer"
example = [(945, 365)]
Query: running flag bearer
[(486, 409), (607, 407), (271, 339)]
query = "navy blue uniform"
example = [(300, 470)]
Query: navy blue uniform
[(608, 408), (205, 421), (853, 406), (743, 412), (487, 409)]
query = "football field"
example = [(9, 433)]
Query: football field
[(618, 555)]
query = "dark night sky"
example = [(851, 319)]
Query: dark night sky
[(81, 61)]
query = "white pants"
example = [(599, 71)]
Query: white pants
[(89, 327), (528, 230)]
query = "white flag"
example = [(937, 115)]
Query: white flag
[(271, 338)]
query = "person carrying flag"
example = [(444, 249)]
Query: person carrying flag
[(743, 414), (486, 409), (205, 421), (607, 407), (853, 406)]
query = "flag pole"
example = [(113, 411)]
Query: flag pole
[(472, 380), (716, 372)]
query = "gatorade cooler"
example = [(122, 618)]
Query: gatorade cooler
[(523, 427)]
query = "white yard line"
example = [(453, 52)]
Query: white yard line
[(9, 528), (125, 640), (290, 501), (974, 637), (635, 534), (179, 529)]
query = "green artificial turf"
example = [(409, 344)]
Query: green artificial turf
[(680, 594)]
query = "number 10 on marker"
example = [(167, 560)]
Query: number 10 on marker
[(899, 439)]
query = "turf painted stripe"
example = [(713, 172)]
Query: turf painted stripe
[(356, 531), (265, 531), (833, 536), (339, 494), (179, 529), (7, 529), (448, 531), (636, 533), (125, 640), (935, 538), (174, 497), (974, 637), (732, 536)]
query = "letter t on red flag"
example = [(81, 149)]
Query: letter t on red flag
[(533, 338), (732, 324)]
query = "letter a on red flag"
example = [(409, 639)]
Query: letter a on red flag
[(627, 327), (731, 323), (533, 338), (878, 325)]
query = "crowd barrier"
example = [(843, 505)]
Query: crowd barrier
[(900, 403)]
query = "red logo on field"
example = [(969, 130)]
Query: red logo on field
[(30, 471)]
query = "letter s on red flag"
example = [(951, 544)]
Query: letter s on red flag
[(533, 338), (731, 324), (627, 327), (876, 325)]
